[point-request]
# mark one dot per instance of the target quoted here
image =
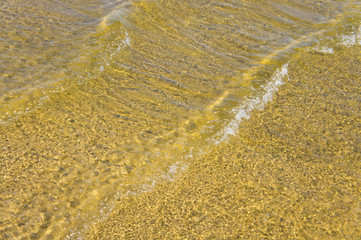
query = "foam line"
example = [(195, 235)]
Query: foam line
[(244, 110)]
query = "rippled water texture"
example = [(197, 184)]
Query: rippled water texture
[(292, 172), (105, 99)]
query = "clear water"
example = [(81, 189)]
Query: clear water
[(105, 99)]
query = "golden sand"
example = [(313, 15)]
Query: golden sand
[(92, 105)]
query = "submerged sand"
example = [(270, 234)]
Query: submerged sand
[(292, 172)]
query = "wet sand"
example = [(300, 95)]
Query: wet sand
[(292, 172)]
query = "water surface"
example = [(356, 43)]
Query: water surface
[(101, 100)]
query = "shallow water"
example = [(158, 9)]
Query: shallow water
[(106, 99), (292, 172)]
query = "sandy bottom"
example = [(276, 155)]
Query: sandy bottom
[(293, 171)]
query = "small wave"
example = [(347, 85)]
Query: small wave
[(116, 15), (244, 110)]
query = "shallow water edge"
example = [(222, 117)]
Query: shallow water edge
[(292, 172)]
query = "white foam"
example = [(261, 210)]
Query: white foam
[(325, 50), (347, 40), (244, 110), (354, 38)]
